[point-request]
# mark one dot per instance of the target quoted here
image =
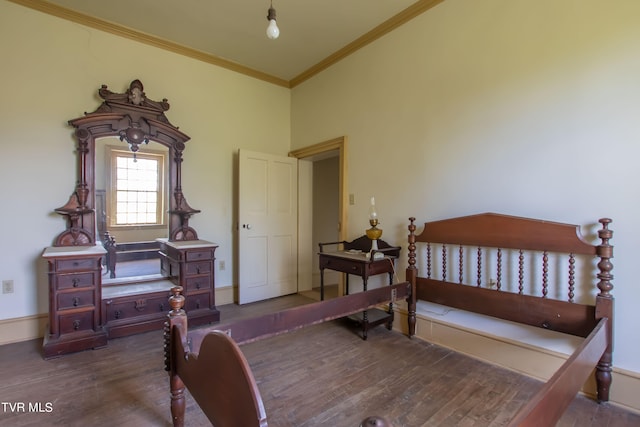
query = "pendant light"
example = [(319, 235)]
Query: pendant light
[(272, 30)]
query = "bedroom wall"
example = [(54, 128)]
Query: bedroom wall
[(51, 72), (513, 106)]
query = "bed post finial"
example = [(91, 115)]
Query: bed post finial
[(176, 301), (410, 276), (605, 252)]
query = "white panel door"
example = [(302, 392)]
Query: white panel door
[(267, 226)]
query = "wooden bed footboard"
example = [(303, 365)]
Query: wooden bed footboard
[(462, 284), (209, 363), (220, 380)]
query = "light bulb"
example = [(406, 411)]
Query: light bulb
[(272, 30)]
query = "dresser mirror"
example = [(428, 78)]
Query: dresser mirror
[(131, 207), (126, 216)]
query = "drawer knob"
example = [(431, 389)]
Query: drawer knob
[(197, 285), (117, 314), (198, 269), (75, 282), (76, 301), (76, 325)]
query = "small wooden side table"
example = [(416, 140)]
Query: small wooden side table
[(353, 259)]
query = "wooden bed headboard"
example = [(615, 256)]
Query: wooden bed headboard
[(502, 233), (511, 247)]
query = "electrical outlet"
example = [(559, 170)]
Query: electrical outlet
[(7, 286), (352, 199), (221, 265)]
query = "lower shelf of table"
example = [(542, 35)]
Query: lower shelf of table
[(375, 317)]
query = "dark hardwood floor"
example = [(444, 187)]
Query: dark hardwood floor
[(324, 375)]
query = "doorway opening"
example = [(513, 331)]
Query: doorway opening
[(322, 207)]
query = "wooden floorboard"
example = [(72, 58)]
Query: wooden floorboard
[(324, 375)]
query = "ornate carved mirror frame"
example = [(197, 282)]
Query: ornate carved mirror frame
[(133, 118)]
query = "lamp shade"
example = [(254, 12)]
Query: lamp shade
[(373, 213)]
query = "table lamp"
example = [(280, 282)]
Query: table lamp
[(373, 233)]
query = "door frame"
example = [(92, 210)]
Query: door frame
[(339, 144)]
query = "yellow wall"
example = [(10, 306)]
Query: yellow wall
[(528, 108), (51, 72)]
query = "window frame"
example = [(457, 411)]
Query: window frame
[(113, 153)]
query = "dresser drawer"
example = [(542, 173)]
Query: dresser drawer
[(80, 280), (197, 301), (140, 305), (344, 266), (75, 299), (193, 268), (75, 322), (199, 255), (197, 283), (76, 264)]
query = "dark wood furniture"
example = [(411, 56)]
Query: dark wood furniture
[(356, 258), (121, 308), (190, 265), (74, 299), (189, 356), (130, 309), (453, 250), (228, 394)]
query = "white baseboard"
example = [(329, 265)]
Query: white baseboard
[(225, 295), (521, 354), (23, 328)]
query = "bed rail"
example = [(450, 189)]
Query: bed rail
[(549, 403)]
